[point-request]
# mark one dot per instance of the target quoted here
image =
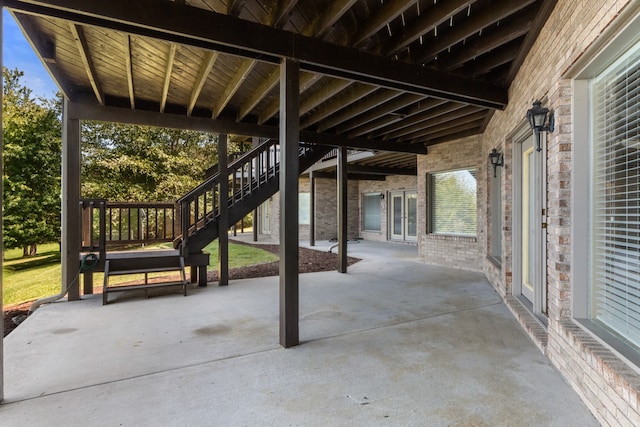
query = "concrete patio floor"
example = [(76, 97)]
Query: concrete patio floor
[(392, 342)]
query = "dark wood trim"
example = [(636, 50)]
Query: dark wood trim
[(289, 175), (223, 205), (209, 30), (342, 210)]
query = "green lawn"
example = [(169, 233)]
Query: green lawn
[(29, 278)]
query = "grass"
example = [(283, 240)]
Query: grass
[(30, 278)]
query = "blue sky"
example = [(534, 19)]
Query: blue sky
[(17, 53)]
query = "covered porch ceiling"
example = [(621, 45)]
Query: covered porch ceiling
[(390, 75)]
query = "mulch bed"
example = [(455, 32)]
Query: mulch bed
[(310, 261)]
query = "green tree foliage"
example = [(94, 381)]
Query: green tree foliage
[(139, 163), (32, 161)]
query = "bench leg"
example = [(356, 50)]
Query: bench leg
[(193, 274)]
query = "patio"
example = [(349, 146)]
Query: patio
[(392, 342)]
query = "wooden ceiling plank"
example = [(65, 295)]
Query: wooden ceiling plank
[(329, 91), (473, 25), (129, 66), (366, 104), (343, 100), (426, 22), (234, 7), (502, 55), (232, 86), (47, 51), (167, 75), (78, 34), (397, 103), (266, 86), (418, 120), (306, 81), (486, 43), (454, 135), (203, 73), (210, 30), (466, 127), (280, 12), (442, 124), (380, 170), (323, 23), (379, 19)]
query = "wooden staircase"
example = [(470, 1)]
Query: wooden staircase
[(253, 178)]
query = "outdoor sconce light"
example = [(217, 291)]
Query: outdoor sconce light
[(497, 159), (537, 117), (381, 196)]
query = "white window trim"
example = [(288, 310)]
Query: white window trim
[(620, 36), (371, 194), (429, 213)]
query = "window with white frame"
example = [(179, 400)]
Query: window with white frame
[(371, 214), (614, 292), (304, 208), (452, 202)]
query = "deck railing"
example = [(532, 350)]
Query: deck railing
[(111, 224)]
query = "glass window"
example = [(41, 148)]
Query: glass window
[(304, 208), (453, 207), (371, 212), (615, 198)]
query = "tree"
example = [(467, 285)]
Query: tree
[(140, 163), (32, 162)]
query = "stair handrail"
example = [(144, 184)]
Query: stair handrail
[(245, 158)]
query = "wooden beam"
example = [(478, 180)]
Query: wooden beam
[(234, 7), (323, 22), (379, 170), (445, 124), (306, 81), (280, 13), (46, 50), (398, 118), (472, 25), (223, 221), (167, 75), (543, 14), (454, 135), (424, 23), (386, 13), (265, 88), (289, 173), (342, 210), (502, 55), (328, 91), (486, 43), (395, 104), (342, 100), (83, 49), (233, 85), (71, 218), (129, 69), (416, 123), (350, 176), (203, 74), (88, 109), (209, 30), (378, 98)]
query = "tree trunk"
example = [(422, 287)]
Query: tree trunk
[(33, 249)]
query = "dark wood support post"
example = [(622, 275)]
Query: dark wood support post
[(71, 213), (342, 209), (312, 209), (223, 223), (255, 224), (289, 171)]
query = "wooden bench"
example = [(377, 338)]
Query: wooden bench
[(142, 262)]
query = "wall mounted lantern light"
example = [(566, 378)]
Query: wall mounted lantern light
[(497, 159), (537, 117)]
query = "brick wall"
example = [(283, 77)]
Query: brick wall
[(391, 183), (452, 251), (608, 384)]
